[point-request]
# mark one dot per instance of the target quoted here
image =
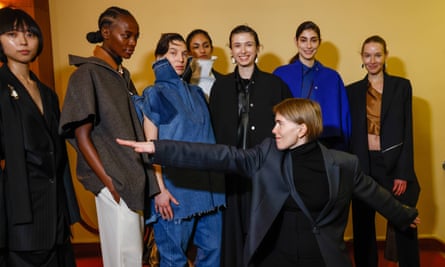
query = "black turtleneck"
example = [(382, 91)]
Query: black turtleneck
[(310, 178)]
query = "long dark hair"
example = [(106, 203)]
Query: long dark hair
[(244, 29), (192, 34), (12, 19), (106, 19), (307, 25)]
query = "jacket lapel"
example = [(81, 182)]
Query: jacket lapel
[(362, 90), (289, 177), (333, 174), (388, 94)]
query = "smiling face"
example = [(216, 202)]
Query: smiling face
[(307, 43), (19, 46), (120, 38), (200, 46), (288, 134), (374, 57), (244, 49)]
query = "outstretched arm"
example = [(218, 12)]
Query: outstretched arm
[(202, 156), (140, 147)]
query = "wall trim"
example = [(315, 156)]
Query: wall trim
[(89, 250)]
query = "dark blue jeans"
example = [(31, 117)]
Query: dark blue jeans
[(173, 238)]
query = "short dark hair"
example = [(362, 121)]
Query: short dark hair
[(106, 19), (192, 34), (244, 29), (164, 43), (14, 19)]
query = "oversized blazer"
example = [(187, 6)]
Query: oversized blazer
[(36, 179), (396, 133), (272, 180)]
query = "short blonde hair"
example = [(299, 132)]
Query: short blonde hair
[(301, 110)]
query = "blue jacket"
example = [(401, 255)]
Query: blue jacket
[(329, 91), (180, 112)]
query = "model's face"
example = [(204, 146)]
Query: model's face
[(121, 37), (177, 56), (200, 47), (307, 44), (286, 132), (373, 57), (19, 46), (244, 49)]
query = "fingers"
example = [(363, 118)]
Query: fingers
[(163, 206), (125, 142), (166, 212), (415, 223), (399, 187), (173, 199)]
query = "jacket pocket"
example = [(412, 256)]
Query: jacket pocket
[(392, 147)]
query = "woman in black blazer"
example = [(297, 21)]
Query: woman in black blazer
[(301, 190), (37, 199), (382, 138)]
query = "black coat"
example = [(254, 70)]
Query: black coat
[(396, 132), (267, 90), (36, 179), (272, 179)]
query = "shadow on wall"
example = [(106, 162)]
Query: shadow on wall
[(143, 75), (423, 160), (222, 63), (328, 55), (268, 62)]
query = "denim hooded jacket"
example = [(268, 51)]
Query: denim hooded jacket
[(180, 112)]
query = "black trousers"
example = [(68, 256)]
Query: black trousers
[(363, 219), (289, 243), (235, 220)]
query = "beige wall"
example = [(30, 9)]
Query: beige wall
[(413, 30)]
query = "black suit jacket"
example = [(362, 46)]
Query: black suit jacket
[(396, 133), (272, 179), (37, 185)]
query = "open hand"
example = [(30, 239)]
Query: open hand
[(139, 147)]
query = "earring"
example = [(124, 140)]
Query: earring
[(232, 59), (363, 65), (256, 60)]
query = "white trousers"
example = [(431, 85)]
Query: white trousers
[(120, 231)]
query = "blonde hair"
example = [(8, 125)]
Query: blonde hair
[(301, 110)]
